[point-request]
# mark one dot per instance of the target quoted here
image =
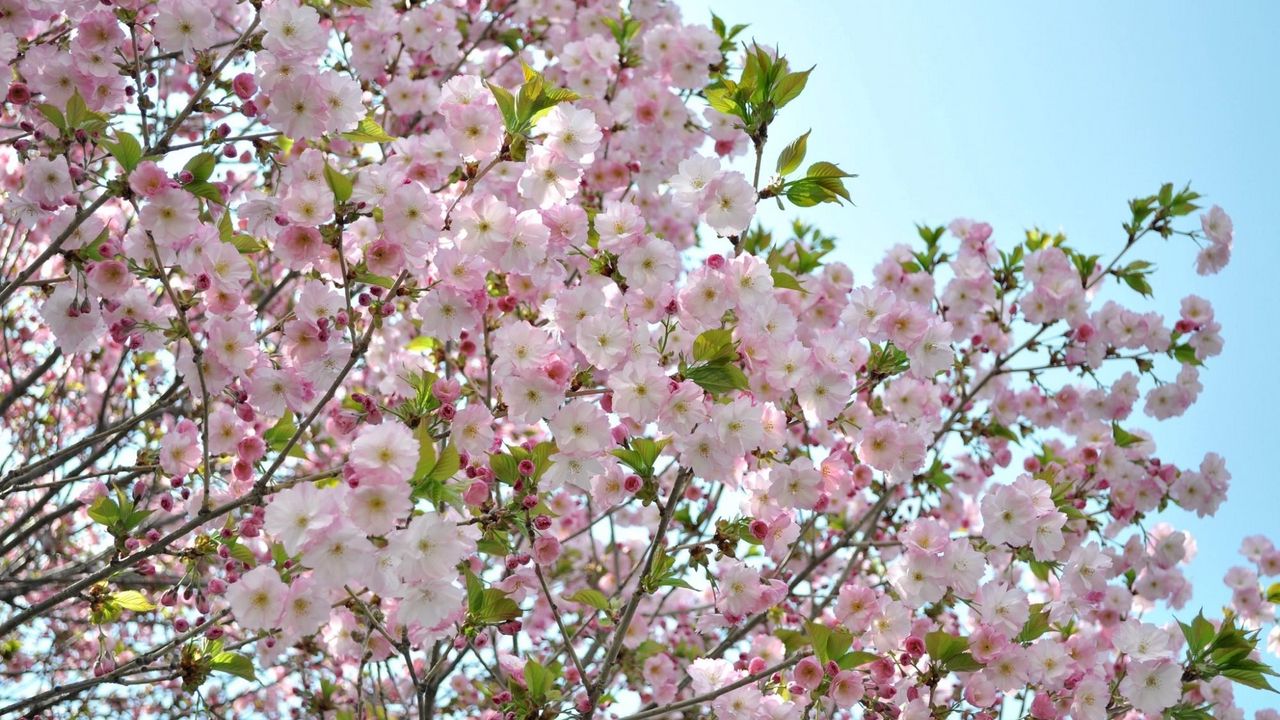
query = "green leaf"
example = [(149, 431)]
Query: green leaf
[(641, 455), (80, 117), (105, 511), (1273, 593), (823, 182), (205, 190), (506, 105), (535, 99), (1122, 437), (1248, 678), (421, 344), (242, 553), (887, 360), (792, 155), (201, 167), (368, 131), (714, 346), (133, 519), (829, 643), (340, 184), (447, 466), (505, 467), (381, 281), (631, 459), (789, 87), (493, 607), (233, 664), (53, 115), (673, 581), (225, 229), (823, 168), (93, 251), (721, 100), (105, 612), (718, 378), (590, 598), (77, 111), (1185, 354), (132, 600), (1137, 281), (1198, 634), (648, 449), (623, 28), (856, 658), (426, 453), (1000, 431), (126, 150), (541, 457), (537, 679), (1037, 624), (962, 662), (278, 435), (787, 281), (493, 546), (246, 244), (943, 646), (937, 475)]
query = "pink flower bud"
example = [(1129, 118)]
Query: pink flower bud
[(19, 94), (244, 85), (446, 391), (546, 549), (477, 493), (823, 503), (558, 370), (251, 448), (915, 646)]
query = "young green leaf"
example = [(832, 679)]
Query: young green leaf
[(233, 664), (340, 184), (793, 154), (368, 131)]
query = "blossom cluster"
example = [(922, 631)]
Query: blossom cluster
[(429, 358)]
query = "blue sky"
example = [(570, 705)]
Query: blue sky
[(1054, 115)]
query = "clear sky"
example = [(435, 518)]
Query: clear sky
[(1054, 115)]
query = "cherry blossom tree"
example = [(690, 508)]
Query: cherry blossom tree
[(372, 359)]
